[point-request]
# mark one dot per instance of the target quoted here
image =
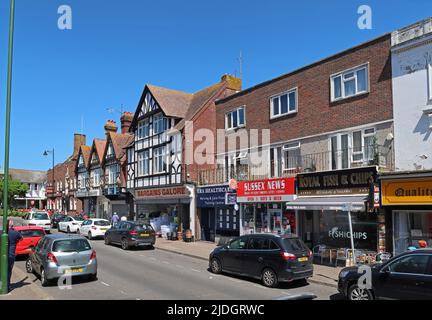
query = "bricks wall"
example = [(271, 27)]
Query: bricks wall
[(316, 113)]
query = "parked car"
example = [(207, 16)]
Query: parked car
[(406, 276), (38, 219), (70, 224), (270, 258), (131, 234), (94, 228), (56, 218), (31, 236), (58, 255)]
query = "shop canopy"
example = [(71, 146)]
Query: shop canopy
[(342, 203)]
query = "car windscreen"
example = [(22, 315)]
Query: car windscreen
[(294, 245), (71, 245), (143, 227), (102, 223), (41, 216), (32, 233)]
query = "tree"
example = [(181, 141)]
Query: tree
[(16, 189)]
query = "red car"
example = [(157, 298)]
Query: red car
[(31, 236)]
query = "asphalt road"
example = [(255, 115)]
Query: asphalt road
[(145, 274)]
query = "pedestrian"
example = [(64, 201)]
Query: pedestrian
[(422, 244), (114, 219), (13, 238)]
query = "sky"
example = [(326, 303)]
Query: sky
[(65, 80)]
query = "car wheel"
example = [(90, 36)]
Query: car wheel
[(58, 229), (356, 293), (44, 280), (68, 230), (107, 242), (90, 236), (215, 266), (124, 244), (77, 231), (269, 278), (29, 266)]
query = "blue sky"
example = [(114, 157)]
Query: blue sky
[(116, 47)]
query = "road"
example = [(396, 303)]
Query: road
[(145, 274)]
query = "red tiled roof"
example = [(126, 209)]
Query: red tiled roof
[(99, 146), (173, 103)]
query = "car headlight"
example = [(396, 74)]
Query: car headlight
[(343, 274)]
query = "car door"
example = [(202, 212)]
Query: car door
[(233, 253), (255, 256), (85, 227), (404, 278), (39, 253), (116, 232)]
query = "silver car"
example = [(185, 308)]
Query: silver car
[(58, 256)]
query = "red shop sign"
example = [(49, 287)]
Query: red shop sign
[(271, 190)]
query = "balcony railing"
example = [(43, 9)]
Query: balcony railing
[(291, 165)]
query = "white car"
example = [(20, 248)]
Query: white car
[(93, 228), (38, 219), (70, 224)]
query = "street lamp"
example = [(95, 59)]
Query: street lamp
[(4, 236), (46, 153)]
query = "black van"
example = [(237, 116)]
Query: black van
[(271, 258)]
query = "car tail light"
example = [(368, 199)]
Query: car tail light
[(51, 257), (93, 255), (310, 254), (288, 256), (133, 233)]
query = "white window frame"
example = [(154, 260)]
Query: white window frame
[(278, 96), (341, 76), (156, 156), (231, 114), (159, 121), (286, 149), (141, 171), (143, 129), (110, 150)]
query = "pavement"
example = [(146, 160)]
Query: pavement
[(323, 275)]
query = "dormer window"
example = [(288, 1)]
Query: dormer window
[(110, 151)]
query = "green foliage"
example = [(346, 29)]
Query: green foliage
[(16, 189)]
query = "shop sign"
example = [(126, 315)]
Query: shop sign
[(407, 192), (231, 198), (272, 190), (339, 182), (171, 192), (210, 197)]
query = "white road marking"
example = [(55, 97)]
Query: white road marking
[(105, 284), (195, 270), (122, 292), (179, 266), (153, 259), (284, 292)]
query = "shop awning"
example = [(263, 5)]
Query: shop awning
[(357, 203)]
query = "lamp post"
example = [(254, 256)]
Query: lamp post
[(46, 153), (4, 236)]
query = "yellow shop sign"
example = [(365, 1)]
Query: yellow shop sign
[(407, 192)]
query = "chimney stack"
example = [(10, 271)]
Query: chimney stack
[(79, 140), (233, 83), (126, 121), (110, 126)]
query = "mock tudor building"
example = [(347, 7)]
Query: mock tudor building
[(331, 121), (162, 183), (114, 166), (83, 177), (62, 182), (97, 201)]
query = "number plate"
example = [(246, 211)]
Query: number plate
[(144, 234), (304, 259), (74, 270)]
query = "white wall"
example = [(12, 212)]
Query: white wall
[(411, 95)]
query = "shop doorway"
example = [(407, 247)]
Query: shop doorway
[(208, 224), (274, 221), (308, 228)]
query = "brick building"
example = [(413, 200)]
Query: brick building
[(332, 117), (62, 185)]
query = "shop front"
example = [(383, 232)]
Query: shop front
[(263, 206), (167, 206), (407, 200), (334, 212), (217, 215)]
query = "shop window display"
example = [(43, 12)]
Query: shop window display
[(410, 228)]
